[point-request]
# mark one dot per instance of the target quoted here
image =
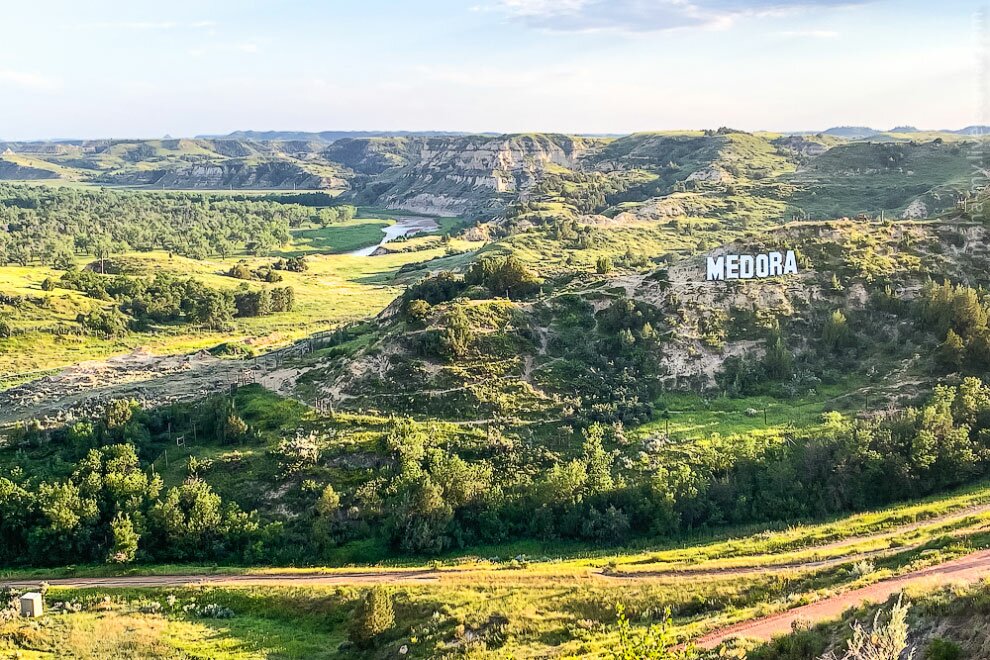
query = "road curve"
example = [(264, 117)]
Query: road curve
[(969, 569)]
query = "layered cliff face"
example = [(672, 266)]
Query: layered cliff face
[(531, 179), (455, 175)]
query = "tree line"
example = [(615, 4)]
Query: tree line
[(433, 492), (142, 302), (52, 226)]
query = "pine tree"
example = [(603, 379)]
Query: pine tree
[(952, 351), (778, 362), (374, 616), (598, 462), (125, 540), (836, 331)]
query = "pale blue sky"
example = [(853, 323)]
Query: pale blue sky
[(109, 68)]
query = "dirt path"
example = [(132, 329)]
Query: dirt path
[(969, 569), (762, 563), (269, 579)]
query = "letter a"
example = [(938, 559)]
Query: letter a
[(790, 264)]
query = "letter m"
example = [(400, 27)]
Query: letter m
[(716, 268)]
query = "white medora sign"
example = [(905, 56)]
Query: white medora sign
[(750, 266)]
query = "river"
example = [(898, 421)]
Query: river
[(406, 225)]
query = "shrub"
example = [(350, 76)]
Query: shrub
[(886, 641), (418, 310), (106, 323), (943, 649), (653, 643), (374, 616)]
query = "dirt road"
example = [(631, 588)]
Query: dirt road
[(966, 570), (269, 579)]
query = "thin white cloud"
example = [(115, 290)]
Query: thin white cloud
[(246, 47), (140, 26), (809, 34), (649, 15), (28, 80)]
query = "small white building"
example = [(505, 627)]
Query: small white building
[(31, 604)]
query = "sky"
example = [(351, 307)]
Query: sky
[(140, 69)]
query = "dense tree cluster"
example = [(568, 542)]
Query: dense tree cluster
[(112, 508), (506, 276), (959, 314), (164, 298), (334, 214), (52, 225), (436, 500), (432, 492), (609, 359)]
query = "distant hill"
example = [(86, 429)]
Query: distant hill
[(973, 130), (323, 136), (537, 178), (851, 132)]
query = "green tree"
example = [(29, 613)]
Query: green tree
[(374, 616), (778, 361), (329, 502), (125, 540), (234, 428), (598, 462), (603, 265), (952, 352), (457, 335), (325, 522), (836, 332)]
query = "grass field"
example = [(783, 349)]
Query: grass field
[(336, 288)]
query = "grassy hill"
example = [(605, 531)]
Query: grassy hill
[(538, 406), (517, 180)]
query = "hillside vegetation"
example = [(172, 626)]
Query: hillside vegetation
[(488, 371)]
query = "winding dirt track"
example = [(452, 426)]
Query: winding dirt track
[(966, 570)]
